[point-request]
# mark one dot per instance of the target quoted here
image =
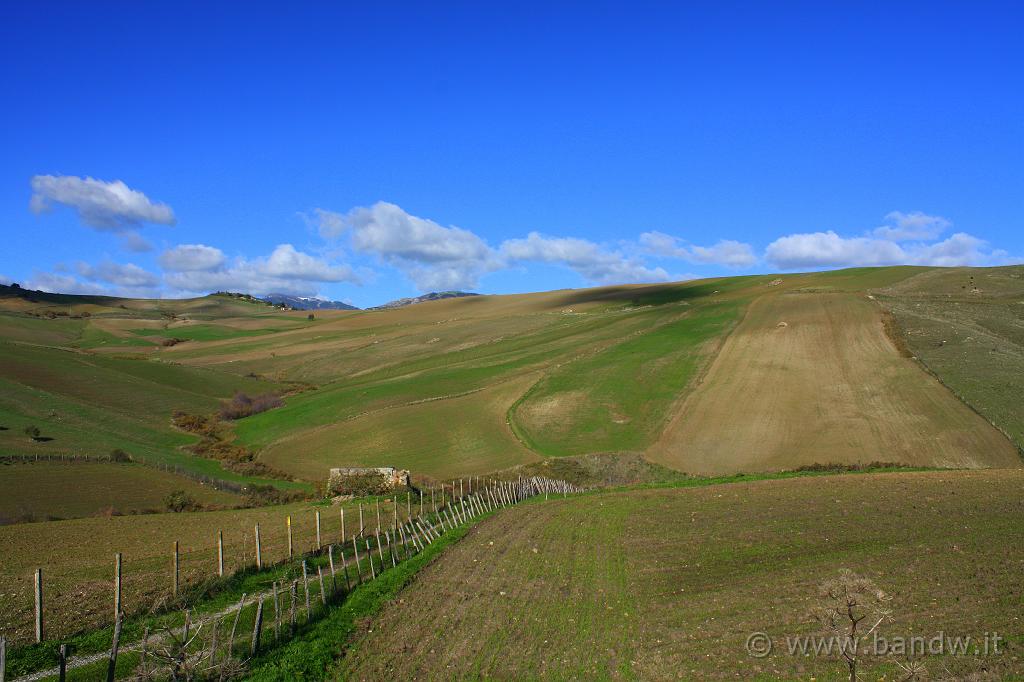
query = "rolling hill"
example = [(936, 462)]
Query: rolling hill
[(712, 376)]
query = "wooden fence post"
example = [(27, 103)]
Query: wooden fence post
[(408, 505), (62, 663), (294, 592), (394, 500), (391, 549), (288, 522), (343, 537), (117, 585), (369, 557), (259, 548), (359, 568), (277, 615), (234, 625), (305, 587), (334, 579), (39, 604), (177, 569), (318, 545), (344, 570), (145, 646), (360, 518), (3, 658), (323, 592), (220, 553), (432, 503), (257, 628), (112, 662), (376, 503)]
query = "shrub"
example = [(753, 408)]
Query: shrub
[(311, 316), (262, 495), (172, 342), (193, 423), (119, 455), (32, 432), (179, 501), (242, 405)]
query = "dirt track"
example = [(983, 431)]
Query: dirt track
[(812, 378)]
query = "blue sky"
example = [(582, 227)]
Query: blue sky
[(369, 152)]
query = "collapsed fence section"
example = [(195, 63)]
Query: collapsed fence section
[(307, 580)]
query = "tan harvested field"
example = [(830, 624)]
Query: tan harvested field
[(813, 378), (668, 584)]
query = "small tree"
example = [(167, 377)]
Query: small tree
[(32, 432), (851, 607), (179, 501), (311, 316)]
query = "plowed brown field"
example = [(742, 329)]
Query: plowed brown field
[(812, 378)]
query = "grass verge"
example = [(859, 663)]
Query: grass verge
[(313, 652)]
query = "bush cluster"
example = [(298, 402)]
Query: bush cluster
[(242, 405), (179, 501)]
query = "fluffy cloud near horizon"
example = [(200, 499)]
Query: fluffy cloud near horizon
[(59, 283), (121, 276), (198, 268), (431, 255), (727, 252), (913, 226), (112, 206), (828, 249), (191, 258), (437, 257), (593, 262)]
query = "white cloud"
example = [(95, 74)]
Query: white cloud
[(330, 224), (126, 276), (431, 255), (197, 268), (134, 242), (65, 284), (828, 249), (286, 262), (726, 252), (192, 258), (104, 205), (913, 226), (594, 263), (958, 249)]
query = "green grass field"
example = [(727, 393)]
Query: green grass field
[(41, 491), (967, 327), (668, 583)]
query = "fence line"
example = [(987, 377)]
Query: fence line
[(404, 539), (80, 458)]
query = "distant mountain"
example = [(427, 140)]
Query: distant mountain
[(306, 302), (432, 296)]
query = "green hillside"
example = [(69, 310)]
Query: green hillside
[(473, 385)]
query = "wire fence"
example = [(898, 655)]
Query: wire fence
[(312, 563)]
